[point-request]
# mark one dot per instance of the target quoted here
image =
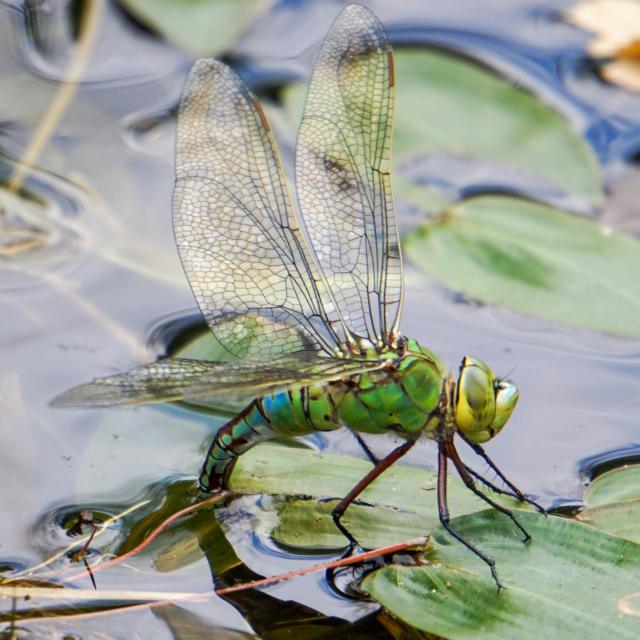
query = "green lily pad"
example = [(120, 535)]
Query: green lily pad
[(571, 581), (401, 503), (536, 260), (307, 524), (613, 502), (448, 104), (201, 27), (619, 518), (617, 485), (453, 106), (203, 346), (279, 470)]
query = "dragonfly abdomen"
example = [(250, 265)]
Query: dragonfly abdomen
[(295, 412)]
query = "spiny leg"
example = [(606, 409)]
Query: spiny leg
[(381, 466), (469, 482), (505, 492), (443, 514), (365, 447), (516, 492)]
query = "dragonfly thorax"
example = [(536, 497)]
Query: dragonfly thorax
[(404, 397)]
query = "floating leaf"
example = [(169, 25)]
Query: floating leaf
[(565, 582), (534, 259), (403, 498), (446, 104), (307, 524), (613, 502), (619, 518), (571, 581), (617, 485), (279, 470), (449, 105), (201, 27)]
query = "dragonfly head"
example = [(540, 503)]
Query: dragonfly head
[(483, 403)]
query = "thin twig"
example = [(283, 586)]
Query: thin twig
[(156, 599), (163, 526), (342, 562)]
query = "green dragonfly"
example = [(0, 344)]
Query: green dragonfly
[(310, 312)]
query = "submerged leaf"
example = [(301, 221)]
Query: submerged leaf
[(201, 27), (570, 581), (535, 259), (186, 625), (450, 106)]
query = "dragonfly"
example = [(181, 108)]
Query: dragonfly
[(308, 299)]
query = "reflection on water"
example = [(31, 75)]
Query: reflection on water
[(110, 241), (152, 133), (43, 224), (46, 34)]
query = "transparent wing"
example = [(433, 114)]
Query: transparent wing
[(177, 379), (240, 245), (343, 174)]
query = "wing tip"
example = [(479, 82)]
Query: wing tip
[(356, 10), (71, 399), (207, 68), (85, 396)]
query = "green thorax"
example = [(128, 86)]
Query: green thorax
[(403, 398)]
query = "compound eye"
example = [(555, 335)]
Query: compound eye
[(475, 396), (506, 399)]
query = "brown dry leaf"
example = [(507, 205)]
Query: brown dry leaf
[(624, 73), (616, 28)]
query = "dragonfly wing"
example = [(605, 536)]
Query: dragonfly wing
[(343, 174), (240, 244), (162, 381), (178, 379)]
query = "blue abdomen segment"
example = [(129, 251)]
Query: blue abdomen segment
[(287, 413), (236, 436)]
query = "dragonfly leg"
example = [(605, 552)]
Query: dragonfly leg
[(505, 492), (365, 447), (380, 467), (443, 513), (516, 492), (469, 482)]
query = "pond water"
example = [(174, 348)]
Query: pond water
[(103, 274)]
